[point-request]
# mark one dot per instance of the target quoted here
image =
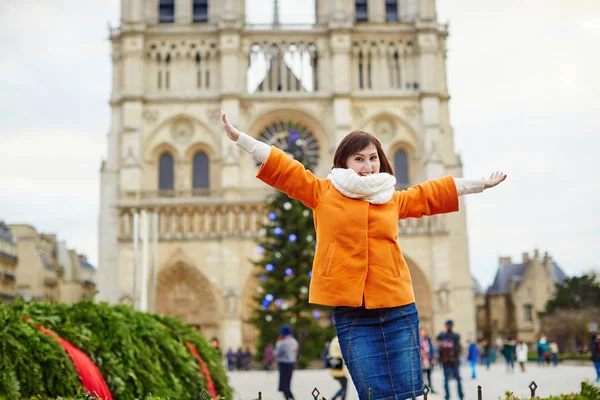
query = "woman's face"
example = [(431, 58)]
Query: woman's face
[(365, 162)]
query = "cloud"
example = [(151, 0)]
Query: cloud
[(524, 90), (51, 181), (55, 70)]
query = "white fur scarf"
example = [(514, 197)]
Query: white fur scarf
[(375, 188)]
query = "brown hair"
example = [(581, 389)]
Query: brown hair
[(353, 143)]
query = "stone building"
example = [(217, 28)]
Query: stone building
[(8, 263), (375, 65), (519, 292), (46, 270)]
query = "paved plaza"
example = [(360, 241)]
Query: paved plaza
[(550, 380)]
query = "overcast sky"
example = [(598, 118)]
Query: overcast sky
[(525, 87)]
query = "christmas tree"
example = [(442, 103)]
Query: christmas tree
[(287, 250)]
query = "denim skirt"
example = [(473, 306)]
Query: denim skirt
[(381, 350)]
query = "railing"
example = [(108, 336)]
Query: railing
[(287, 27), (198, 193), (9, 257), (50, 280), (6, 296), (315, 393)]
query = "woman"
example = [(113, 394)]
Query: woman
[(286, 354), (268, 357), (358, 266), (473, 356), (521, 351), (427, 357), (337, 368)]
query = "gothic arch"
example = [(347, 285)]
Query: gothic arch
[(249, 331), (181, 130), (185, 292), (391, 128), (302, 116), (423, 295)]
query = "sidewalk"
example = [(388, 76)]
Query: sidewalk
[(550, 381)]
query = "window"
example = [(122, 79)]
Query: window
[(165, 172), (200, 171), (391, 10), (166, 11), (401, 167), (528, 311), (361, 10), (167, 72), (200, 11)]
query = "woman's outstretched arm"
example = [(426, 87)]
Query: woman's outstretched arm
[(440, 196), (257, 149), (469, 186), (278, 170)]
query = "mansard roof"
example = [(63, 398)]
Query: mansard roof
[(508, 272)]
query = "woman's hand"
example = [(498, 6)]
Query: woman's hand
[(232, 133), (494, 179)]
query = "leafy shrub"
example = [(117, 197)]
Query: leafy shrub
[(588, 392), (136, 353)]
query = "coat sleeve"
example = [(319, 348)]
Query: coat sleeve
[(289, 176), (432, 197)]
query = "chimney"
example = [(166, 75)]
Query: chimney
[(547, 259), (536, 253), (525, 257), (505, 260)]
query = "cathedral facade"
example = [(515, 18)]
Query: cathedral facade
[(374, 65)]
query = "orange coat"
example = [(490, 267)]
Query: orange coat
[(357, 255)]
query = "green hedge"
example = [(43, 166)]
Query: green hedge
[(588, 392), (137, 353)]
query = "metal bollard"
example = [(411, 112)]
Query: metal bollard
[(479, 394), (533, 387)]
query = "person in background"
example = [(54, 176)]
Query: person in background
[(485, 353), (541, 349), (247, 359), (595, 350), (231, 360), (286, 354), (449, 355), (268, 357), (337, 368), (508, 351), (215, 344), (427, 357), (473, 356), (521, 351), (325, 355), (553, 348)]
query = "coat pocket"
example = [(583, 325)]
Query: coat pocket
[(328, 259), (395, 260)]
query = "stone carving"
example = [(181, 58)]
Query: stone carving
[(359, 111), (150, 116), (129, 159), (214, 115), (326, 110), (385, 129), (411, 111), (231, 302), (182, 131), (442, 296)]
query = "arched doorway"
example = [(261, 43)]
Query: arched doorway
[(185, 293), (422, 295), (249, 331)]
